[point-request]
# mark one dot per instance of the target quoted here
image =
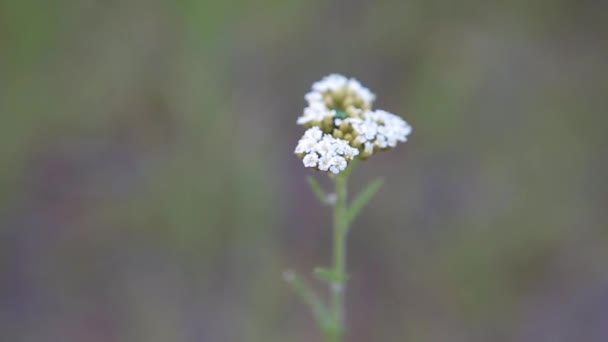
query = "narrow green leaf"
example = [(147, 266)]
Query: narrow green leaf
[(317, 190), (309, 297), (328, 275), (362, 199)]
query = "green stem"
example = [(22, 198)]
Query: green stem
[(339, 259)]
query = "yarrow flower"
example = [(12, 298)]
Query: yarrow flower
[(379, 129), (341, 125), (324, 152)]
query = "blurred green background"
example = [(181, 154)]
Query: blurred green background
[(149, 191)]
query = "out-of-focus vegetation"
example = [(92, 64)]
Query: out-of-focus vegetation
[(148, 189)]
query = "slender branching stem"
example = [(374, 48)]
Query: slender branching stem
[(338, 284), (331, 315)]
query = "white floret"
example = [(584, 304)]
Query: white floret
[(314, 133), (381, 141), (310, 160), (324, 163), (391, 140), (396, 127), (332, 82), (369, 130), (337, 82), (326, 147), (337, 164), (305, 145), (314, 96), (351, 153), (365, 94), (360, 139), (316, 111)]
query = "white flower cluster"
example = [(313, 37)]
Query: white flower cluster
[(331, 93), (379, 129), (324, 152), (335, 83), (342, 125)]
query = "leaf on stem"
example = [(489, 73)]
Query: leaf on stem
[(317, 190), (319, 310), (362, 199), (328, 275)]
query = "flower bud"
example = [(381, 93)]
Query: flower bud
[(345, 127)]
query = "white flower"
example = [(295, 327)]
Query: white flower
[(316, 111), (311, 160), (314, 96), (337, 164), (354, 121), (326, 147), (372, 129), (340, 163), (313, 133), (340, 146), (325, 152), (305, 145), (365, 94), (369, 130), (351, 153), (380, 128), (332, 82), (338, 83), (324, 163), (381, 141), (360, 139), (397, 128)]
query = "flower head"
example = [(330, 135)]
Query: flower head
[(324, 152), (341, 125), (335, 95), (381, 129)]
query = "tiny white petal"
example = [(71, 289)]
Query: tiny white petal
[(381, 141), (350, 153), (314, 96), (392, 142), (360, 139), (369, 148), (365, 94)]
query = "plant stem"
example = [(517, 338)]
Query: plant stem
[(339, 258)]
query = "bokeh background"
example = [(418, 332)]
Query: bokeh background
[(149, 191)]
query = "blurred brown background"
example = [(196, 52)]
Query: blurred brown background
[(149, 191)]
